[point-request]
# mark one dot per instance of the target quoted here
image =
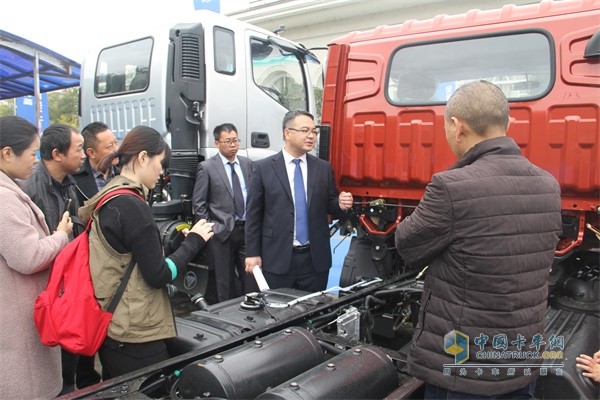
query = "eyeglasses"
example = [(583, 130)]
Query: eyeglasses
[(306, 131), (230, 142)]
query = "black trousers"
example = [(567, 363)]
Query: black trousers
[(228, 260), (77, 370), (301, 275), (121, 358)]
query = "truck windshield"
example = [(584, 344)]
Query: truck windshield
[(280, 74)]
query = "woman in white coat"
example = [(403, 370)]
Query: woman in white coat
[(28, 369)]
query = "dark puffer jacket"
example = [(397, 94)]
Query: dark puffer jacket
[(487, 228)]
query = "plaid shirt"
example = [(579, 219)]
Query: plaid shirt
[(99, 178)]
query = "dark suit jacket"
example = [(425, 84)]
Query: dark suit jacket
[(213, 194), (86, 184), (270, 213)]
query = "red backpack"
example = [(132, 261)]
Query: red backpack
[(67, 312)]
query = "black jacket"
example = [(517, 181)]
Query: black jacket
[(52, 197), (487, 228), (86, 183)]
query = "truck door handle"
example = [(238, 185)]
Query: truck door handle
[(260, 140)]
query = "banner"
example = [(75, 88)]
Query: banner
[(212, 5), (25, 108)]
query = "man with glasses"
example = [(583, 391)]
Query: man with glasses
[(219, 196), (99, 141), (291, 195)]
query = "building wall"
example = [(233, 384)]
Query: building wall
[(315, 23)]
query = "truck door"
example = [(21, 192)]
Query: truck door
[(277, 82)]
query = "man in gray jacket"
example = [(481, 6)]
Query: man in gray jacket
[(219, 196), (487, 228)]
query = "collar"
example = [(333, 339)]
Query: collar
[(287, 157), (118, 181), (50, 181), (97, 174), (502, 145), (226, 161), (8, 182), (122, 181)]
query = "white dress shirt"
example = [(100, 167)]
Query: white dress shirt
[(290, 167)]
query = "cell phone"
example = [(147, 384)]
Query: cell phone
[(68, 205)]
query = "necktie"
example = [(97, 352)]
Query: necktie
[(301, 207), (238, 197)]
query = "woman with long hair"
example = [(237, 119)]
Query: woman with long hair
[(29, 369), (123, 233)]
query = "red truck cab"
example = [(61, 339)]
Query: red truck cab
[(383, 112)]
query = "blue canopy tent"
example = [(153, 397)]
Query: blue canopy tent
[(27, 68)]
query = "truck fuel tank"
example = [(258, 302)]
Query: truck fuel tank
[(248, 370)]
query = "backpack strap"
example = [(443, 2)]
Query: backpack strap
[(106, 198), (114, 193), (121, 289)]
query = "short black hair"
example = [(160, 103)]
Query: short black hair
[(56, 136), (90, 133), (227, 127), (290, 115)]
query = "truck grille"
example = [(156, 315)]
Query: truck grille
[(190, 57)]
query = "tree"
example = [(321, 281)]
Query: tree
[(7, 107), (63, 106)]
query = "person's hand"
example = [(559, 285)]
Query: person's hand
[(345, 200), (65, 224), (251, 262), (204, 229), (596, 356), (590, 366)]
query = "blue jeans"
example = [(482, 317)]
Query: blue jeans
[(436, 392)]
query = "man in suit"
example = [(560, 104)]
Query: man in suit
[(99, 141), (219, 196), (291, 195)]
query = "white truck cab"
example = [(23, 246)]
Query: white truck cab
[(184, 79)]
